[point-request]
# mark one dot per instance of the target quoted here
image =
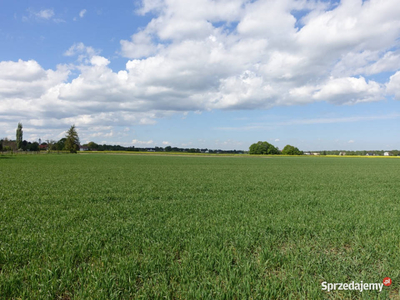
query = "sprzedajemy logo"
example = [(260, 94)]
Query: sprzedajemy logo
[(356, 286)]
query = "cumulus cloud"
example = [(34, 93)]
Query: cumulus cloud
[(349, 90), (27, 81), (218, 54), (245, 57), (393, 86), (141, 45)]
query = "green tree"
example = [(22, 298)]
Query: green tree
[(72, 140), (263, 148), (92, 146), (19, 136), (291, 150), (168, 149), (33, 146), (51, 145), (61, 144)]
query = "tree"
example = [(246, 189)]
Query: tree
[(51, 145), (33, 146), (291, 150), (19, 136), (72, 140), (263, 148), (92, 146), (60, 145), (24, 145), (168, 149)]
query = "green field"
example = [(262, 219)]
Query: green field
[(167, 227)]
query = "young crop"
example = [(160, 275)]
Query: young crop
[(102, 226)]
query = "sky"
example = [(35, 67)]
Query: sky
[(217, 74)]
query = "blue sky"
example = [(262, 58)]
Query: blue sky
[(219, 74)]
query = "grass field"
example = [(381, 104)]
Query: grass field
[(168, 227)]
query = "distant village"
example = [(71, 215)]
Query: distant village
[(356, 153)]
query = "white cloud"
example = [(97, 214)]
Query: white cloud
[(23, 83), (78, 48), (265, 62), (141, 45), (277, 140), (142, 143), (349, 90), (393, 86), (82, 13), (99, 61), (351, 142), (44, 14), (165, 143), (41, 15)]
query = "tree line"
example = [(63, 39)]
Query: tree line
[(92, 146), (269, 149), (69, 143)]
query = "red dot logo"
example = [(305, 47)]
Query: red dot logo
[(387, 281)]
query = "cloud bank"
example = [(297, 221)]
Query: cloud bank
[(223, 54)]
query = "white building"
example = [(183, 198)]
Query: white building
[(386, 154)]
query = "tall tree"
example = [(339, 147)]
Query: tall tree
[(19, 136), (72, 140)]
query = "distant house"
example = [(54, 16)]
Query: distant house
[(83, 148), (43, 147), (307, 153), (315, 153), (386, 154), (342, 153), (370, 154)]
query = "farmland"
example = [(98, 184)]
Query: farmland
[(140, 226)]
